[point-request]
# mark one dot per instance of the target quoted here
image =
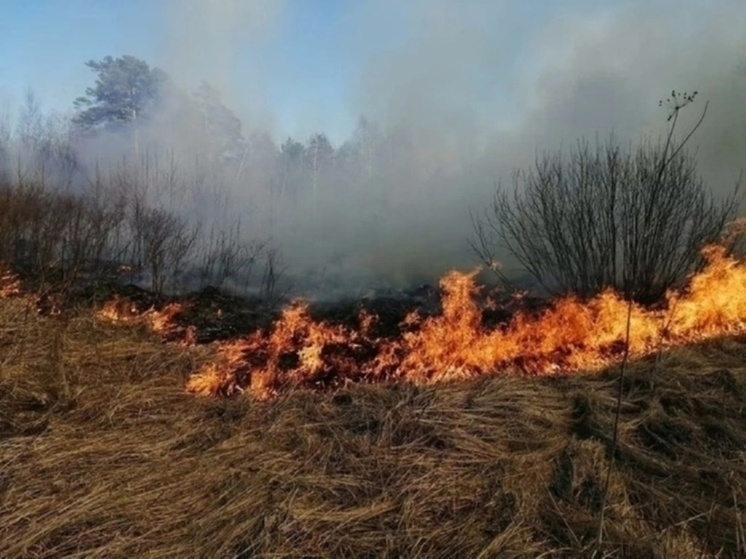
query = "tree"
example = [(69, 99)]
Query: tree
[(366, 139), (257, 162), (605, 217), (5, 136), (219, 126), (127, 92), (291, 158), (29, 129), (47, 145), (320, 156)]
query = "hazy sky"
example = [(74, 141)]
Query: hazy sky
[(477, 86), (299, 65)]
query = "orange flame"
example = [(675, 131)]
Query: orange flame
[(571, 335), (10, 285), (120, 310), (163, 322)]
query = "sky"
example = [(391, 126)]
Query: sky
[(477, 87), (294, 65)]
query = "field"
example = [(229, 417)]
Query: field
[(103, 453), (373, 280)]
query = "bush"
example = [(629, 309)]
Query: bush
[(56, 237), (631, 219)]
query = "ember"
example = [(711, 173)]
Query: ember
[(571, 335)]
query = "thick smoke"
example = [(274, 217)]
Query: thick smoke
[(455, 96), (221, 41), (480, 105)]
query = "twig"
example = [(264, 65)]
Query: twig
[(665, 161), (617, 415), (740, 536), (709, 526)]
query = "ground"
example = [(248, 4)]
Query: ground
[(104, 454)]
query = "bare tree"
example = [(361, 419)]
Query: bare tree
[(320, 153), (607, 216), (228, 257), (29, 129), (167, 242), (44, 145), (5, 139), (273, 272)]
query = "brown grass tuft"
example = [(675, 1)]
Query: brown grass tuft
[(104, 454)]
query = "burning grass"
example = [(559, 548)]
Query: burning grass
[(162, 320), (203, 317), (103, 454), (569, 336), (10, 285)]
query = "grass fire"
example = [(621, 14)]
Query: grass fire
[(569, 336), (429, 279)]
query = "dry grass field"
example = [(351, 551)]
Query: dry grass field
[(103, 453)]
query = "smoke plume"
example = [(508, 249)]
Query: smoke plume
[(439, 101)]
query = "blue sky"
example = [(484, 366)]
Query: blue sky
[(306, 70), (44, 44), (300, 66)]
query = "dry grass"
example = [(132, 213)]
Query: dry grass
[(102, 454)]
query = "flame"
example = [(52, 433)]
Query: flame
[(571, 335), (10, 284), (163, 321), (120, 310), (160, 321)]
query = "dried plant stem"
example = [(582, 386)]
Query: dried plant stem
[(617, 414)]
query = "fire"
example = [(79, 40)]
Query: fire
[(161, 321), (571, 335), (10, 285), (297, 350), (119, 310)]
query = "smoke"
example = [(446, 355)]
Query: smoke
[(462, 93), (479, 89), (456, 95), (607, 71), (221, 41)]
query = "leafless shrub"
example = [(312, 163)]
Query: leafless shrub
[(55, 236), (43, 231), (91, 238), (273, 273), (62, 220), (25, 220), (227, 257), (584, 222), (167, 242)]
